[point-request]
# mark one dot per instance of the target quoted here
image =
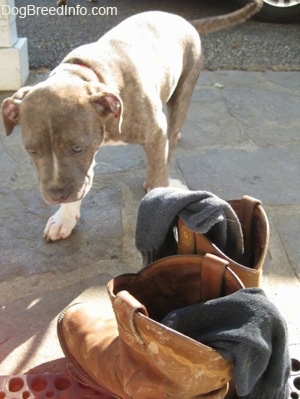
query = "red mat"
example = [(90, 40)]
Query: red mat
[(46, 386)]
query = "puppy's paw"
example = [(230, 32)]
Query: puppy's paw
[(147, 187), (177, 183), (61, 224), (171, 183), (58, 228)]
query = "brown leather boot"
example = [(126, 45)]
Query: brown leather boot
[(130, 353), (255, 228)]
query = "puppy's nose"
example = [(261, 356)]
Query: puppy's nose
[(58, 194)]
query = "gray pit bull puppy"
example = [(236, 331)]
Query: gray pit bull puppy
[(109, 91)]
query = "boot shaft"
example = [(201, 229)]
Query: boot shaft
[(169, 364), (255, 229)]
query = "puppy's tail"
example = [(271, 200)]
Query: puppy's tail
[(213, 24)]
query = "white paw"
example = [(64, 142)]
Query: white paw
[(61, 224), (58, 228)]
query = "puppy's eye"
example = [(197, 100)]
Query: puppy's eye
[(76, 149)]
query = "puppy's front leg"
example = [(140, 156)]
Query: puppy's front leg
[(157, 162), (61, 224)]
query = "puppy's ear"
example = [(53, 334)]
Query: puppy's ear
[(11, 109), (108, 103)]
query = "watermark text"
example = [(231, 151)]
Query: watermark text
[(78, 10)]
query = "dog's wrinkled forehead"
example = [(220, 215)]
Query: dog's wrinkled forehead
[(46, 101), (53, 110)]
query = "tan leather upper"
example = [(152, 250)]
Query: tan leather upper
[(180, 366), (130, 353)]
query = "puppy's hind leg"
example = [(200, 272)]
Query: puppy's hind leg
[(157, 153), (178, 104)]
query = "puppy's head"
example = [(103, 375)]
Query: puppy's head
[(63, 124)]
